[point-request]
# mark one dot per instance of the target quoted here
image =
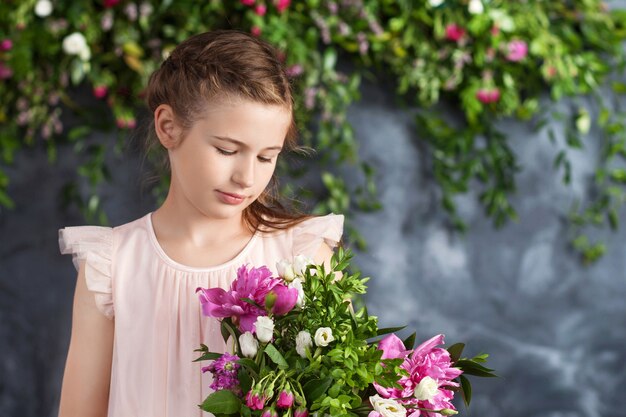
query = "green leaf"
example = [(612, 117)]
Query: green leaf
[(315, 388), (455, 351), (222, 402), (466, 389), (209, 356), (249, 363), (387, 330), (245, 382), (276, 356), (330, 59), (409, 342)]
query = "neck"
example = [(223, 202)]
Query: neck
[(178, 219)]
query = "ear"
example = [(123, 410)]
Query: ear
[(167, 128)]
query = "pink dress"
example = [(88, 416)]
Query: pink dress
[(158, 320)]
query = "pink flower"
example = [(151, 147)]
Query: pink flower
[(131, 123), (517, 50), (392, 347), (6, 44), (301, 412), (120, 123), (285, 399), (427, 360), (255, 401), (282, 5), (256, 31), (110, 3), (253, 284), (247, 2), (260, 10), (269, 412), (100, 91), (488, 95), (294, 70), (284, 298), (454, 32), (5, 72)]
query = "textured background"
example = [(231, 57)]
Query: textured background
[(556, 330)]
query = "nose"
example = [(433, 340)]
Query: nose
[(243, 175)]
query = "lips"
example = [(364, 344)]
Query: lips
[(233, 195)]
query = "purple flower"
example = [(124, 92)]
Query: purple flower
[(250, 285), (224, 372)]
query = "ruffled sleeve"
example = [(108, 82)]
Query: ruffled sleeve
[(309, 235), (94, 246)]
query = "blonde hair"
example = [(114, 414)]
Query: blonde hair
[(224, 64)]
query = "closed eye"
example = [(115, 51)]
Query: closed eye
[(230, 153), (225, 152)]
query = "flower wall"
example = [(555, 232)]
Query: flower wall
[(487, 60)]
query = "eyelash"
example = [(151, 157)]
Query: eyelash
[(227, 153)]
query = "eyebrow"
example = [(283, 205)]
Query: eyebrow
[(235, 141)]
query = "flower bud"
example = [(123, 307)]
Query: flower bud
[(269, 412), (264, 329), (249, 345), (285, 270), (447, 412), (301, 412), (303, 343), (285, 399)]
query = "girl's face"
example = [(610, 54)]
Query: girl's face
[(227, 158)]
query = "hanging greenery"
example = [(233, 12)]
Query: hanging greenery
[(490, 60)]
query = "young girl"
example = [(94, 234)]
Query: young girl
[(223, 110)]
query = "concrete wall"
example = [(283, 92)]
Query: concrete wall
[(556, 330)]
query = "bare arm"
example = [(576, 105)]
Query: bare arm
[(85, 390)]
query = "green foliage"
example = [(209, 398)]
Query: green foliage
[(472, 68)]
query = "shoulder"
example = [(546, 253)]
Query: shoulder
[(316, 236)]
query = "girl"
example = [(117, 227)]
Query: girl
[(223, 110)]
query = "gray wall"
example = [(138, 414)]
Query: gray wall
[(556, 331)]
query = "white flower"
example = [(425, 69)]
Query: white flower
[(426, 389), (285, 270), (476, 7), (300, 263), (323, 336), (264, 328), (503, 20), (249, 345), (387, 407), (43, 8), (297, 284), (435, 3), (303, 342), (76, 44)]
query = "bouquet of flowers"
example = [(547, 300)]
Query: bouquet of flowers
[(299, 347)]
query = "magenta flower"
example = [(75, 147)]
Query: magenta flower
[(454, 32), (6, 45), (260, 10), (110, 3), (285, 299), (517, 50), (247, 2), (285, 399), (100, 91), (5, 72), (294, 70), (282, 5), (488, 95), (256, 31), (253, 284)]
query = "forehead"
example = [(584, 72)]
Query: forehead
[(256, 125)]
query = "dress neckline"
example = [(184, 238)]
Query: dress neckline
[(178, 265)]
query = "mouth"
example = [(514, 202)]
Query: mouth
[(233, 195)]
